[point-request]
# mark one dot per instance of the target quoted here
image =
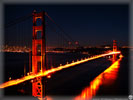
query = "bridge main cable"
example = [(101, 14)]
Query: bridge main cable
[(64, 32), (18, 20), (50, 71)]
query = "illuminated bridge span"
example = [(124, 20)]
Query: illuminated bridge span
[(47, 72), (38, 57), (106, 77)]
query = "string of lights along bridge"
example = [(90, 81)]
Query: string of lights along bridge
[(39, 70), (47, 72)]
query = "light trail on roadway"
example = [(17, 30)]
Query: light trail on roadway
[(105, 78), (50, 71)]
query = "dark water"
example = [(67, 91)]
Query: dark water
[(68, 82)]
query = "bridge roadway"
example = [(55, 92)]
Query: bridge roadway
[(50, 71), (105, 77)]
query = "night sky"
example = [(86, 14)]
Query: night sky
[(89, 24)]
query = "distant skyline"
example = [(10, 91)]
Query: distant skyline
[(90, 25)]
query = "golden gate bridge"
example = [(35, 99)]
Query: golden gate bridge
[(39, 68)]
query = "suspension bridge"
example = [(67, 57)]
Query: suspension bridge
[(38, 69)]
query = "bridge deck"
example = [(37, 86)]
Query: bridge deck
[(47, 72)]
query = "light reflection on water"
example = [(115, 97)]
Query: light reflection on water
[(105, 78)]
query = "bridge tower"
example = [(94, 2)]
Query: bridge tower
[(114, 46), (38, 53), (114, 50)]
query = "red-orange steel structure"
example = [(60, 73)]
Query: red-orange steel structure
[(53, 70), (114, 46), (38, 53), (114, 50)]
